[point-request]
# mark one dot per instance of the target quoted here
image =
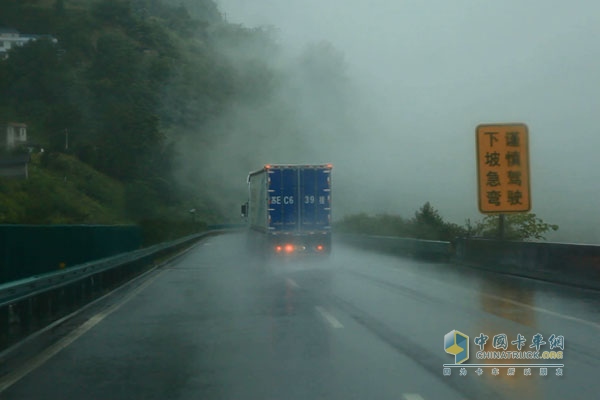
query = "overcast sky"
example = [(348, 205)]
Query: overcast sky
[(433, 70)]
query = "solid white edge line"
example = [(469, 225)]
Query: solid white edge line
[(126, 286), (8, 380), (517, 303), (544, 311), (51, 351), (140, 278), (329, 318), (412, 396), (292, 283)]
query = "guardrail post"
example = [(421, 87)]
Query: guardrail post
[(14, 320), (72, 299), (51, 304), (82, 291), (99, 282), (92, 287), (61, 300), (4, 325), (45, 307), (28, 320)]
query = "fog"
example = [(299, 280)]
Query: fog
[(419, 78)]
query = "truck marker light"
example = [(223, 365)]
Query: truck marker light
[(278, 249)]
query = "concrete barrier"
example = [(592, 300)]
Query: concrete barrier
[(427, 249), (572, 264), (564, 263)]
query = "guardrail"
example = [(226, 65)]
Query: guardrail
[(429, 249), (572, 264), (29, 304)]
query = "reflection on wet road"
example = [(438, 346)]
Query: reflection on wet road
[(359, 326)]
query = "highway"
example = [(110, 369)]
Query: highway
[(217, 324)]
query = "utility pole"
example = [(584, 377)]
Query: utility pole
[(66, 139)]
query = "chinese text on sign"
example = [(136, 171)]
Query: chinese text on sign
[(503, 168)]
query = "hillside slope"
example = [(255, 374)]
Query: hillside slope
[(61, 189)]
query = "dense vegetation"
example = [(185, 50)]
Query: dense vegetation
[(109, 101), (427, 224), (175, 102), (61, 189), (516, 227)]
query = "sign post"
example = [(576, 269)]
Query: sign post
[(503, 169)]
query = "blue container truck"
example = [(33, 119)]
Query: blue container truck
[(289, 209)]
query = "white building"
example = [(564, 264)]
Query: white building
[(16, 135), (10, 38)]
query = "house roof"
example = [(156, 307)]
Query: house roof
[(7, 30), (17, 159)]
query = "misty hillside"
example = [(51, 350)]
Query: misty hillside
[(178, 103)]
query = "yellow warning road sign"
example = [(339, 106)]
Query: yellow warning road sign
[(503, 168)]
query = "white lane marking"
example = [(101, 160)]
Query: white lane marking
[(412, 396), (517, 303), (329, 318), (51, 351), (543, 310), (292, 283)]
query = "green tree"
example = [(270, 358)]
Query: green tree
[(427, 223), (59, 7), (126, 103), (114, 12), (129, 79), (37, 85), (516, 227)]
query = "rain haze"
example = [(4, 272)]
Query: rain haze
[(128, 269), (420, 78)]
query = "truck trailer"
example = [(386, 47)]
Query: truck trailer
[(288, 210)]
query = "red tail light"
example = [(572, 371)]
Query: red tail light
[(320, 247), (289, 248), (278, 249)]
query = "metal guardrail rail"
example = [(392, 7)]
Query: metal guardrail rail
[(29, 304), (431, 249), (21, 289)]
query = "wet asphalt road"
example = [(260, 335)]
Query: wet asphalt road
[(215, 324)]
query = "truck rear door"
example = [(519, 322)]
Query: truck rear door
[(283, 208), (315, 197)]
